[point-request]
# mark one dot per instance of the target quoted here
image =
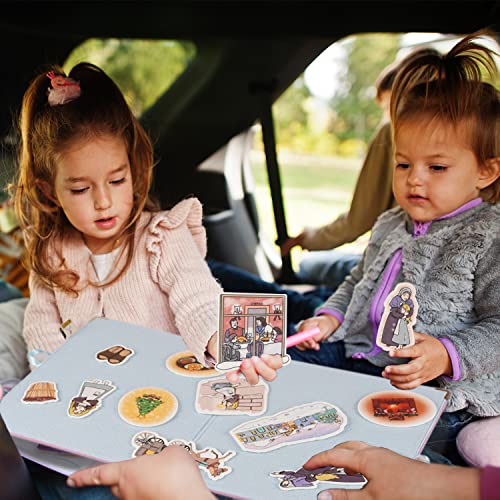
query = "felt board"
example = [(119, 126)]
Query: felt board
[(104, 436)]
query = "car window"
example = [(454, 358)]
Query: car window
[(323, 124), (143, 69)]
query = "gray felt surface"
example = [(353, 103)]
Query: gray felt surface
[(104, 436)]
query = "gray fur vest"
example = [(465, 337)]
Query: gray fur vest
[(455, 268)]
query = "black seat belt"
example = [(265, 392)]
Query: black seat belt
[(287, 274)]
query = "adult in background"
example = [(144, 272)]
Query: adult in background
[(325, 265)]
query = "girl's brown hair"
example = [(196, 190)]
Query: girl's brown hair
[(385, 79), (450, 88), (47, 132)]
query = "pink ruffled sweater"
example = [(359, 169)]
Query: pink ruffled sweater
[(168, 285)]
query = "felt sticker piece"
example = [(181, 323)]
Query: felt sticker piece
[(310, 478), (41, 392), (210, 460), (220, 397), (115, 355), (90, 397), (251, 325), (397, 408), (307, 422), (147, 406), (148, 443), (185, 364), (400, 314)]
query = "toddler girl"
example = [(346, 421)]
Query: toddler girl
[(444, 238), (96, 243)]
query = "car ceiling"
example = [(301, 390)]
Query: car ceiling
[(248, 54)]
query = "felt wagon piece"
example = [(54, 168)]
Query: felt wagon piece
[(209, 459), (148, 443)]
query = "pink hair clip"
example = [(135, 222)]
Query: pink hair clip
[(63, 89)]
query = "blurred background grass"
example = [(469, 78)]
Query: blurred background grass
[(316, 190)]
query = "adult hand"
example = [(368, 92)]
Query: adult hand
[(430, 360), (290, 243), (326, 324), (169, 475), (392, 476), (252, 368)]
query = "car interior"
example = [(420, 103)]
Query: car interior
[(247, 54)]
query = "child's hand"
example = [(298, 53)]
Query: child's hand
[(212, 346), (430, 360), (265, 367), (327, 325)]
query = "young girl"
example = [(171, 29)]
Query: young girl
[(96, 244), (444, 238)]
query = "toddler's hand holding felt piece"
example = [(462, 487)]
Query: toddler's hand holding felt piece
[(430, 360), (326, 324)]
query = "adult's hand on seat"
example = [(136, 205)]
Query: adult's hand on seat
[(290, 243)]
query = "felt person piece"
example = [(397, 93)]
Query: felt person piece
[(309, 478), (90, 397), (400, 314)]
